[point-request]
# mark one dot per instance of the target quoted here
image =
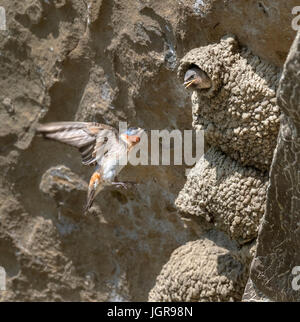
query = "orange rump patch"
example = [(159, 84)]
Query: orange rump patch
[(95, 176)]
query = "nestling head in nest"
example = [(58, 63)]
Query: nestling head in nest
[(196, 78)]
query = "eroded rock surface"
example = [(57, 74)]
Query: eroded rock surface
[(103, 61), (275, 269)]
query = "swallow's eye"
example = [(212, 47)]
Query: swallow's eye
[(189, 76)]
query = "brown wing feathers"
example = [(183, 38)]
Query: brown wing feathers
[(82, 135), (74, 134), (87, 154)]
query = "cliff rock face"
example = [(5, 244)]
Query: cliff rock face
[(275, 269), (103, 61), (110, 61)]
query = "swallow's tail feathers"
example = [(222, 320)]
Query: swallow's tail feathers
[(93, 189), (90, 200)]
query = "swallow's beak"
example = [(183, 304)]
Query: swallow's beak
[(189, 83), (140, 132)]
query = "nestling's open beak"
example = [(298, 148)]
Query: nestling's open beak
[(189, 83)]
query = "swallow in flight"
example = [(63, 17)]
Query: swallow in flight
[(100, 145)]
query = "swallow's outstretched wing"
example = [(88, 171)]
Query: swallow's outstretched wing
[(93, 140)]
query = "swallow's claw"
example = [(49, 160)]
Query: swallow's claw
[(126, 185)]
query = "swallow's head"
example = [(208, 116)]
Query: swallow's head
[(132, 136), (197, 78)]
